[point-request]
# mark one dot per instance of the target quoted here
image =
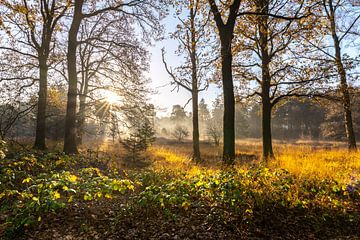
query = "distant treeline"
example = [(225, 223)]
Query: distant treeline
[(302, 118)]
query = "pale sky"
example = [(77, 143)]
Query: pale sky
[(160, 80), (165, 98)]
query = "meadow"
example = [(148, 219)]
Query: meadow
[(311, 190)]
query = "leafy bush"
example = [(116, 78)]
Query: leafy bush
[(243, 191), (32, 186)]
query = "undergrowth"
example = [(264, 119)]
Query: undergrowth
[(36, 184)]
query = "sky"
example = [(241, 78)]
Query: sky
[(165, 98)]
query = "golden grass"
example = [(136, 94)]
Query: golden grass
[(300, 160), (304, 159), (304, 162)]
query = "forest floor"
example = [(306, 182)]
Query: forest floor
[(310, 191)]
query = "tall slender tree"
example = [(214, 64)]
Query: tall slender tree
[(332, 10), (191, 76)]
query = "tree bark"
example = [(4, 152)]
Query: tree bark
[(194, 89), (263, 7), (196, 135), (229, 99), (266, 130), (70, 144), (350, 134), (81, 119), (226, 31), (41, 106)]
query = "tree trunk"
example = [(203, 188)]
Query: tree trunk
[(266, 130), (350, 134), (41, 108), (226, 31), (194, 87), (196, 135), (229, 100), (81, 119), (263, 7), (70, 145), (343, 83)]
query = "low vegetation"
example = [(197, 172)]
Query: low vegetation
[(303, 193)]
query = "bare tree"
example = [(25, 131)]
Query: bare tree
[(192, 75), (180, 133)]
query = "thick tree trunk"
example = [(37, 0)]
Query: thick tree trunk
[(350, 134), (226, 31), (266, 129), (41, 107), (229, 100), (263, 7), (70, 145)]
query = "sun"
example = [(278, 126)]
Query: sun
[(112, 98)]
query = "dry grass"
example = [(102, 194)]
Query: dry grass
[(320, 160), (338, 164), (303, 158)]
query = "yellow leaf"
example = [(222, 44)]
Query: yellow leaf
[(35, 199), (72, 178), (185, 205), (26, 180), (56, 195)]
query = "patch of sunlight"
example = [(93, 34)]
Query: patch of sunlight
[(167, 159), (340, 165)]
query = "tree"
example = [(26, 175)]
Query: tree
[(114, 127), (241, 121), (298, 118), (272, 30), (331, 10), (214, 126), (180, 133), (36, 22), (226, 34), (178, 114), (139, 140), (111, 59), (204, 113), (55, 113), (333, 126), (10, 113), (140, 11), (214, 132), (192, 74)]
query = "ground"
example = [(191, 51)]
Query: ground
[(310, 191)]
